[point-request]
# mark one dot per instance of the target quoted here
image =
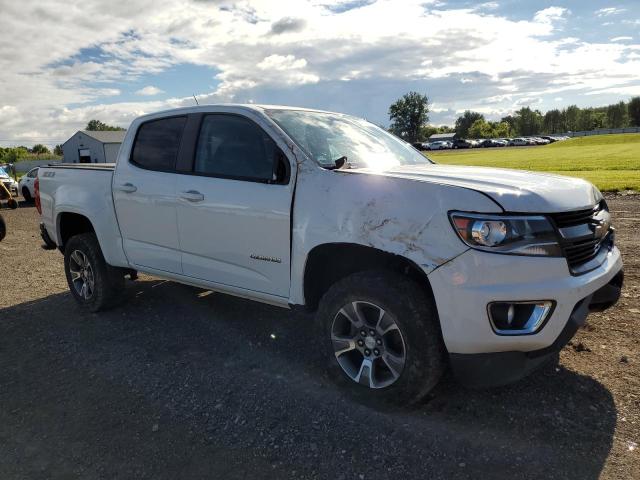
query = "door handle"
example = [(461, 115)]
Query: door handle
[(127, 187), (192, 196)]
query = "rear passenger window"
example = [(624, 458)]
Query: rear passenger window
[(157, 143), (234, 147)]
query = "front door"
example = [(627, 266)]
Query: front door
[(234, 208), (144, 193)]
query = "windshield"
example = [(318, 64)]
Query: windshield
[(326, 137), (3, 173)]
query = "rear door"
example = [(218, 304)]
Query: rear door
[(144, 193), (234, 207)]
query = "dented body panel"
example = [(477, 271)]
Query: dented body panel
[(401, 217)]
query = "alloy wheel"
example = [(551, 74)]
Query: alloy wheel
[(82, 276), (368, 344)]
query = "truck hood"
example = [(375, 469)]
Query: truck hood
[(513, 190)]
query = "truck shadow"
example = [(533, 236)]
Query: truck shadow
[(180, 373)]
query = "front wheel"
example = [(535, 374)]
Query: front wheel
[(93, 283), (26, 195), (383, 337)]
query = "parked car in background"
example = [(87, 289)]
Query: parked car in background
[(26, 184), (461, 143), (492, 142), (440, 145), (518, 142), (540, 140), (550, 139), (8, 182), (306, 209)]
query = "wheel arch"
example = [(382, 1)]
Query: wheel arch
[(69, 224), (330, 262)]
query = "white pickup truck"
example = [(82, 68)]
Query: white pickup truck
[(411, 266)]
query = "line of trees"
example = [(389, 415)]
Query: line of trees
[(37, 152), (533, 122), (409, 117), (40, 151)]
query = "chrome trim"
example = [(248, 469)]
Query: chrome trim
[(534, 323)]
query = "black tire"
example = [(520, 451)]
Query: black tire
[(415, 315), (107, 281), (26, 195), (3, 229), (12, 203)]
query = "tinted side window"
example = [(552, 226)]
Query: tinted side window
[(232, 146), (157, 143), (33, 173)]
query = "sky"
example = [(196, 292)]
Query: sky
[(63, 63)]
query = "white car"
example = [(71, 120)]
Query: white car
[(518, 142), (440, 145), (8, 182), (411, 266), (26, 184)]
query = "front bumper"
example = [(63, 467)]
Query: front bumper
[(464, 287), (501, 368)]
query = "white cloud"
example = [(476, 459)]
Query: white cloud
[(628, 90), (149, 90), (608, 11), (281, 62), (261, 50), (550, 14), (620, 39), (488, 6)]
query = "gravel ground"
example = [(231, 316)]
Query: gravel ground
[(185, 383)]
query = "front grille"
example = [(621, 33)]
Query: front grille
[(578, 217), (580, 252), (583, 235)]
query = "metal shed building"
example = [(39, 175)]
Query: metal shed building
[(93, 146), (438, 137)]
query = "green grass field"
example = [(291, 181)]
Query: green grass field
[(611, 162)]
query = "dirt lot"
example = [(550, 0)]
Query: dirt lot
[(181, 383)]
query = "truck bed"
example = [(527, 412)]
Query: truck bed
[(82, 189)]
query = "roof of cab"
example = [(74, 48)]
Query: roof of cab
[(228, 107)]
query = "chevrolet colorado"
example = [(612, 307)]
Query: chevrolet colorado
[(411, 266)]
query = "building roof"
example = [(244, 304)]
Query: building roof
[(106, 136), (442, 136)]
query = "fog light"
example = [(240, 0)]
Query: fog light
[(519, 318)]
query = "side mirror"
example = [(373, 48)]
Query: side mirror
[(280, 169)]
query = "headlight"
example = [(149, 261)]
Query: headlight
[(512, 234)]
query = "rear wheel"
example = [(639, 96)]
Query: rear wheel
[(3, 229), (26, 195), (383, 338), (93, 283)]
